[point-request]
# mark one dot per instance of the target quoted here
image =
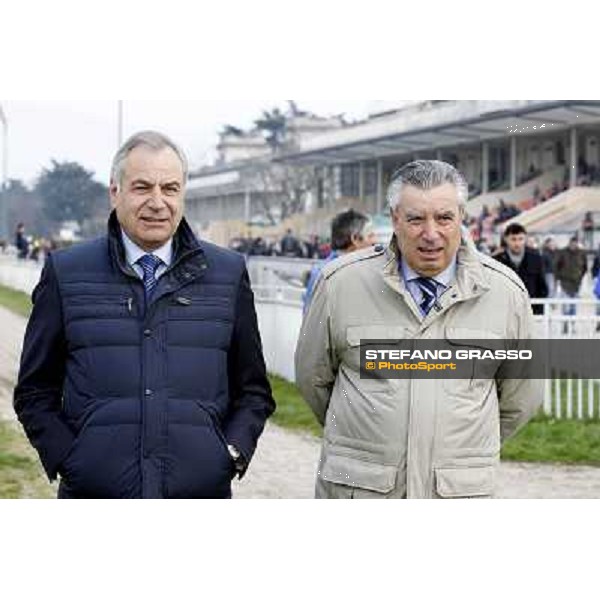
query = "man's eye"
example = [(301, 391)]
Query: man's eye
[(415, 220)]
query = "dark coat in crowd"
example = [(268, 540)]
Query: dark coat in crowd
[(532, 273), (570, 267)]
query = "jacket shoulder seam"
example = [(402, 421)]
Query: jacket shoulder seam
[(516, 282), (354, 258)]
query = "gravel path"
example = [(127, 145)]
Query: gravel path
[(12, 329), (285, 467), (285, 463)]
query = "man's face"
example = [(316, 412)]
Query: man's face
[(516, 243), (149, 202), (427, 226)]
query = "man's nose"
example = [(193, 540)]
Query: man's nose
[(156, 198), (430, 230)]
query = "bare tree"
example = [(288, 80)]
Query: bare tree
[(282, 185)]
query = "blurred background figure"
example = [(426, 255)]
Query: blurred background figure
[(588, 227), (21, 242), (570, 268), (350, 231), (526, 262), (290, 245), (548, 258)]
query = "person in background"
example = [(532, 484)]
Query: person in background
[(548, 257), (589, 228), (290, 245), (526, 262), (21, 242), (350, 231), (570, 268)]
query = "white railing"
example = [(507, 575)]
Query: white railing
[(18, 274), (279, 311)]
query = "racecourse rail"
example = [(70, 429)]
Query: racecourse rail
[(278, 289)]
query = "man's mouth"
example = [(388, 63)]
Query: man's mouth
[(431, 252), (153, 221)]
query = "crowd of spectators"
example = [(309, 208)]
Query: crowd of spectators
[(289, 246), (28, 247)]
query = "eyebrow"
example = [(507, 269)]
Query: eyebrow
[(150, 183)]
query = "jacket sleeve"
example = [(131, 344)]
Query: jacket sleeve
[(249, 388), (310, 287), (39, 390), (596, 267), (316, 364), (519, 399)]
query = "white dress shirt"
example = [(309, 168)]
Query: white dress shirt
[(133, 253), (443, 281)]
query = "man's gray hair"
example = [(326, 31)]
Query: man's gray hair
[(151, 139), (426, 175)]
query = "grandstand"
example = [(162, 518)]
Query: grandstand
[(531, 155)]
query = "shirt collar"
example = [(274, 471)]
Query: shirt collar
[(445, 278), (133, 252)]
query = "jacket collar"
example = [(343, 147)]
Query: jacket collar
[(185, 244), (471, 279)]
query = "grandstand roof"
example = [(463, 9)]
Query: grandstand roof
[(449, 125)]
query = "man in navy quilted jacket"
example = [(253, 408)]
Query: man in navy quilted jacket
[(142, 373)]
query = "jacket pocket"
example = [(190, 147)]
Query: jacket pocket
[(356, 473), (465, 482), (355, 335), (481, 373), (391, 333), (216, 425)]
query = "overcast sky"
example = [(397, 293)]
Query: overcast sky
[(86, 132)]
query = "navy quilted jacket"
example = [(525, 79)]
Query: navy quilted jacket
[(127, 401)]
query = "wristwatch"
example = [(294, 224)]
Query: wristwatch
[(238, 459)]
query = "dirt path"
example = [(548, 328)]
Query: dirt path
[(12, 328), (285, 462)]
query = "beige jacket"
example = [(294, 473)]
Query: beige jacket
[(411, 438)]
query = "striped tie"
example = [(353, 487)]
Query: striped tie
[(150, 264), (429, 289)]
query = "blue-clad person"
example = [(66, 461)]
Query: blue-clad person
[(350, 231), (142, 373)]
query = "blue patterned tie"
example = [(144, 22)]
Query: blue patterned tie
[(429, 290), (150, 264)]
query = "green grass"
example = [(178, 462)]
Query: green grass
[(21, 475), (556, 441), (292, 412), (544, 440), (18, 302)]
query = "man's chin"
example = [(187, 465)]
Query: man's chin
[(431, 269)]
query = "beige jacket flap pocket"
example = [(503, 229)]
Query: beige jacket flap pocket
[(353, 472), (463, 336), (465, 482), (355, 334)]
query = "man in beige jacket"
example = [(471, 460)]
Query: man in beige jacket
[(414, 438)]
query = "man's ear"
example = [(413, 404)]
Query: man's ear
[(113, 190)]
